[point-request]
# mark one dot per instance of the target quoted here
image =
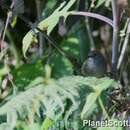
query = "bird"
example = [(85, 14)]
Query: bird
[(95, 65)]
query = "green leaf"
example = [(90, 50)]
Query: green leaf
[(50, 22), (3, 71), (5, 126), (34, 126), (79, 41), (27, 41), (71, 46), (89, 105), (12, 118), (61, 66), (104, 84), (14, 22), (99, 3), (26, 74), (46, 124), (49, 6)]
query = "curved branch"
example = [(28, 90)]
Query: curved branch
[(93, 15)]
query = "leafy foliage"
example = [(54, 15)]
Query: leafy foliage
[(27, 73), (51, 97), (48, 24), (59, 62), (47, 93)]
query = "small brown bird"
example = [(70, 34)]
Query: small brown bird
[(95, 65)]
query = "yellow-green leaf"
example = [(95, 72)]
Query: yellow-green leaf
[(27, 40)]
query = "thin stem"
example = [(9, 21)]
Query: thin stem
[(93, 15), (52, 42), (41, 39), (115, 37), (126, 41), (92, 44), (13, 48), (9, 15), (103, 108)]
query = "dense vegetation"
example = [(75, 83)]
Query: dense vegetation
[(46, 81)]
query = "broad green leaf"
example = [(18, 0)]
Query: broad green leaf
[(71, 46), (26, 74), (89, 105), (78, 42), (35, 82), (50, 22), (104, 84), (61, 66)]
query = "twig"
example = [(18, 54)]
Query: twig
[(124, 46), (52, 42), (9, 15)]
